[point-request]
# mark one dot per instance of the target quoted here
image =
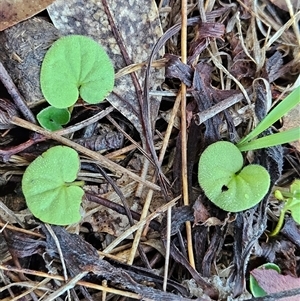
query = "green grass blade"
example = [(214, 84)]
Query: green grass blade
[(272, 140), (281, 109)]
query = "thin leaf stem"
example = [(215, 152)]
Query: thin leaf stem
[(279, 224), (76, 183)]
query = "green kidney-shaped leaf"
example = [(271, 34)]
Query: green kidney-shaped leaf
[(48, 187), (226, 183), (76, 65), (52, 118)]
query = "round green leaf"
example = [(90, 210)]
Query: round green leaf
[(76, 65), (48, 187), (226, 183), (52, 118)]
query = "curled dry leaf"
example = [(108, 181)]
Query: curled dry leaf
[(15, 11), (106, 141), (201, 214), (205, 31), (7, 110)]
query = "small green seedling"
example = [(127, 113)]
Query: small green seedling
[(76, 65), (49, 188), (292, 204), (226, 183), (220, 171), (52, 118), (255, 288)]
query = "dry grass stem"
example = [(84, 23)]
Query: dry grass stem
[(106, 163)]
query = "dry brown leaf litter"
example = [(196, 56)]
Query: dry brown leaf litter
[(253, 34)]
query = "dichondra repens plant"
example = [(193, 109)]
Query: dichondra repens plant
[(224, 180), (52, 118), (221, 174), (50, 189), (73, 66), (291, 201)]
